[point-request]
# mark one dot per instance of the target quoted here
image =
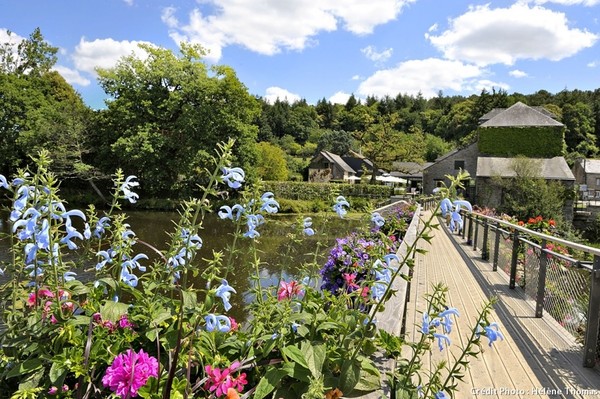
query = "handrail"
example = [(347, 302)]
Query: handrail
[(570, 244), (556, 297)]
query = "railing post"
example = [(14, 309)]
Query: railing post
[(593, 317), (496, 247), (515, 258), (485, 251), (470, 233), (476, 234), (541, 288), (464, 229)]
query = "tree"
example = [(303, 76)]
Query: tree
[(336, 141), (579, 128), (33, 56), (270, 162), (168, 112)]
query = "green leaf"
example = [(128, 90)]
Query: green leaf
[(350, 375), (268, 383), (315, 357), (26, 367), (76, 287), (57, 374), (296, 371), (190, 299), (113, 310), (293, 353), (370, 378)]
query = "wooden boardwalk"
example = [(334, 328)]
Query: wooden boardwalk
[(537, 359)]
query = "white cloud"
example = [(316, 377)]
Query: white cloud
[(356, 77), (339, 98), (103, 53), (488, 85), (128, 2), (378, 57), (587, 3), (516, 73), (433, 28), (269, 27), (426, 76), (71, 76), (592, 64), (273, 93), (503, 35)]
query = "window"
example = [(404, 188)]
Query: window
[(597, 182), (326, 165), (438, 182), (459, 165)]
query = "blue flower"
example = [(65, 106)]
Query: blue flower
[(268, 203), (101, 225), (20, 202), (219, 323), (441, 395), (306, 225), (69, 276), (3, 182), (234, 213), (194, 241), (134, 263), (36, 271), (234, 177), (492, 332), (442, 338), (71, 233), (425, 324), (446, 320), (295, 327), (224, 292), (391, 257), (108, 257), (253, 221), (126, 189), (87, 232), (377, 219), (29, 222), (340, 203)]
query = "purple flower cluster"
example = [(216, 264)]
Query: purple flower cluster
[(351, 256)]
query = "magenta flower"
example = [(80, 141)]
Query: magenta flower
[(129, 372), (219, 381), (288, 290), (125, 323)]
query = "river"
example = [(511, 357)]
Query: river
[(277, 256)]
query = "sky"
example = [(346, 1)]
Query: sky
[(330, 49)]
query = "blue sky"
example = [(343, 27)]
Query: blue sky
[(330, 48)]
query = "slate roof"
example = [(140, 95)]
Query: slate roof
[(590, 165), (333, 158), (551, 168), (520, 115)]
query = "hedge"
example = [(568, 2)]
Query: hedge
[(534, 142), (326, 191)]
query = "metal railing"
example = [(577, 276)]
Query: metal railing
[(560, 276)]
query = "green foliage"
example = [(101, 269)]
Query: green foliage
[(270, 162), (326, 191), (535, 142)]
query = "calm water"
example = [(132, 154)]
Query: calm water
[(278, 256)]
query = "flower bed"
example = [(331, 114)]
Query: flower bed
[(141, 329)]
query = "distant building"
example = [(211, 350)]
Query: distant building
[(502, 135), (587, 175), (412, 172), (326, 167)]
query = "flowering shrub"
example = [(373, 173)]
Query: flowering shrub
[(139, 328)]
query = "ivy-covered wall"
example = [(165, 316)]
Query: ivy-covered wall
[(534, 142)]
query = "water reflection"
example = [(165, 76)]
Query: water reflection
[(278, 256)]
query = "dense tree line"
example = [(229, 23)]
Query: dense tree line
[(166, 112)]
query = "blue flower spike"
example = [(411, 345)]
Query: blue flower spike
[(3, 182), (425, 324), (446, 320), (442, 395), (224, 292), (234, 177), (307, 230), (269, 204), (217, 323), (377, 219), (442, 339), (492, 332), (126, 189), (338, 208)]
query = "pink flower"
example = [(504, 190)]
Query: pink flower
[(129, 372), (220, 382), (125, 323), (350, 280), (234, 324), (288, 290), (53, 390)]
